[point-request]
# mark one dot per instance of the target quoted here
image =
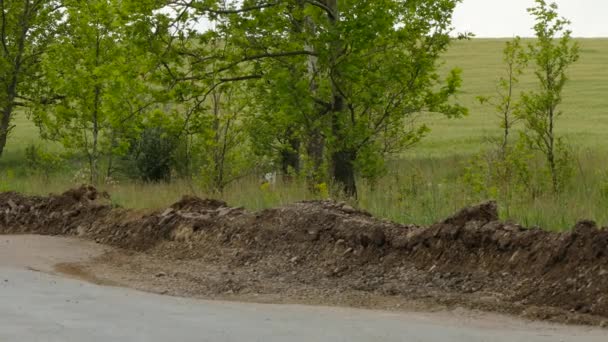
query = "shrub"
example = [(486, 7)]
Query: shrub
[(152, 154), (42, 162)]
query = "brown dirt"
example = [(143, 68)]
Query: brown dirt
[(329, 253), (80, 272), (42, 253)]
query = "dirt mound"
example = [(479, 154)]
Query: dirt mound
[(469, 259), (53, 215), (482, 213), (195, 204)]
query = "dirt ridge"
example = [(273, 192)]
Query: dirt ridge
[(324, 244)]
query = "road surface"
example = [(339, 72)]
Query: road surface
[(37, 306)]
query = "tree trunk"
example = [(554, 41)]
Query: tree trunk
[(344, 171), (314, 150), (5, 128), (343, 159), (94, 152), (551, 149), (290, 159), (315, 145), (218, 157), (110, 169), (7, 112), (94, 155)]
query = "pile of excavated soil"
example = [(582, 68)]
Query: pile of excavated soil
[(326, 252)]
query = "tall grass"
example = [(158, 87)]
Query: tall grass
[(420, 191)]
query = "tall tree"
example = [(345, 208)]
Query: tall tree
[(228, 155), (552, 53), (99, 74), (371, 67), (26, 29)]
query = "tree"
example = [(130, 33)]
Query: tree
[(99, 75), (26, 29), (505, 101), (225, 142), (552, 53), (503, 168), (371, 67), (278, 122)]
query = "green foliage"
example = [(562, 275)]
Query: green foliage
[(40, 161), (503, 171), (370, 164), (152, 154), (330, 95), (552, 53), (505, 102), (7, 177), (564, 166), (346, 79), (506, 175), (97, 74), (603, 186), (509, 172), (227, 146), (27, 27), (275, 122), (506, 171)]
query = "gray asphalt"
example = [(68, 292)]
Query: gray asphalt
[(36, 306)]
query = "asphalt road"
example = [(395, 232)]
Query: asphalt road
[(36, 306)]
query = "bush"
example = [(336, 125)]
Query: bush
[(152, 154), (501, 174), (42, 162)]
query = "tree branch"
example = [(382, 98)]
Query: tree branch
[(267, 55), (247, 59), (240, 78), (242, 10), (189, 4), (3, 29), (322, 6)]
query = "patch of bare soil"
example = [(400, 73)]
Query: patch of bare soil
[(78, 270), (330, 253), (42, 253)]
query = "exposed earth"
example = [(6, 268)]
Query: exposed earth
[(40, 306), (328, 253)]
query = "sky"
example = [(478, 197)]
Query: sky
[(508, 18)]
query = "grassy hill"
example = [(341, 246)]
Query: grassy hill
[(585, 107)]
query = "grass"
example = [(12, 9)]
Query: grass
[(584, 123), (424, 184)]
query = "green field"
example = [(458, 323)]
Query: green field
[(424, 183), (585, 107)]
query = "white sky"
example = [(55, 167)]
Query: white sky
[(508, 18)]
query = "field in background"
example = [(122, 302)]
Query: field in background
[(423, 185), (585, 107)]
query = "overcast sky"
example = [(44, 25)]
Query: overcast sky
[(508, 18)]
